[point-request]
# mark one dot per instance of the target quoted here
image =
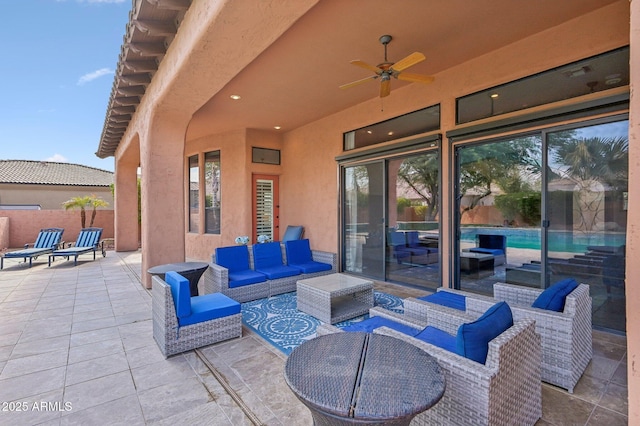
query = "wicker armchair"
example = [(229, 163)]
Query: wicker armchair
[(506, 390), (566, 336), (172, 339)]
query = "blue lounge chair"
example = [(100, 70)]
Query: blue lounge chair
[(48, 240), (88, 241)]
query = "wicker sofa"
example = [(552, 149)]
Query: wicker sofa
[(175, 334), (566, 336), (216, 278), (505, 390)]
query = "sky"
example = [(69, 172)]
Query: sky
[(56, 75)]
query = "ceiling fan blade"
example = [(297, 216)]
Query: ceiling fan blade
[(408, 61), (385, 88), (417, 78), (366, 66), (355, 83)]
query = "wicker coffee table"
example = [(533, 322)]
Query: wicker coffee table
[(335, 297)]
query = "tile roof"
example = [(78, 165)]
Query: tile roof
[(52, 173)]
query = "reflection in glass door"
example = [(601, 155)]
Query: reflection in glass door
[(412, 220), (499, 213), (390, 219), (587, 214), (501, 190), (363, 219)]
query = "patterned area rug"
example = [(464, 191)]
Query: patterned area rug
[(278, 321)]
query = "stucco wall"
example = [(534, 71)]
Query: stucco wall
[(309, 172), (22, 226), (49, 197)]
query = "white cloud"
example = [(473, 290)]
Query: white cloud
[(93, 75), (58, 158)]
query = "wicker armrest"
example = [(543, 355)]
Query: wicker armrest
[(324, 329), (515, 294), (447, 319), (397, 317), (325, 257), (215, 279)]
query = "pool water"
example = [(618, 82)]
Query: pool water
[(560, 241)]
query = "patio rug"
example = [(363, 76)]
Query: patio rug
[(278, 321)]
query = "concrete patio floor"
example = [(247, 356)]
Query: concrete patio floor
[(76, 347)]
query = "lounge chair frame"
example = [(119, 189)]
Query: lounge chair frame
[(48, 240), (88, 241)]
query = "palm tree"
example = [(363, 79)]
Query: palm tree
[(96, 202), (83, 202)]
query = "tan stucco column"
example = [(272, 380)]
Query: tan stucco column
[(162, 188), (126, 202), (633, 225)]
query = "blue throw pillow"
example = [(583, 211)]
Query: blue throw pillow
[(554, 297), (472, 340)]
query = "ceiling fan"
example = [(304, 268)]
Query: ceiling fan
[(385, 70)]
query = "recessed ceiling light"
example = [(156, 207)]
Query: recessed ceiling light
[(390, 133), (235, 97), (494, 95), (277, 127), (369, 132)]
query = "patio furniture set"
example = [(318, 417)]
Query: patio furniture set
[(493, 352), (49, 242)]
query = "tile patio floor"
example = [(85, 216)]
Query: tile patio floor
[(76, 347)]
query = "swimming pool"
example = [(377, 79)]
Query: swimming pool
[(564, 241)]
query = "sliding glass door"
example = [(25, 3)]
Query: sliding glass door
[(535, 209), (363, 219), (587, 184), (499, 212), (390, 219)]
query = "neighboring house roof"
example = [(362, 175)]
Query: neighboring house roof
[(51, 173)]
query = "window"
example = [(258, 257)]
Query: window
[(589, 75), (413, 123), (212, 192), (194, 194)]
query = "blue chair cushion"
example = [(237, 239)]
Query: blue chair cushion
[(553, 298), (311, 267), (292, 233), (298, 251), (472, 340), (493, 252), (275, 272), (445, 298), (234, 258), (180, 292), (371, 323), (438, 338), (267, 255), (242, 278), (209, 307)]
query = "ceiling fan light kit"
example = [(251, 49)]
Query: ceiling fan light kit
[(385, 70)]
